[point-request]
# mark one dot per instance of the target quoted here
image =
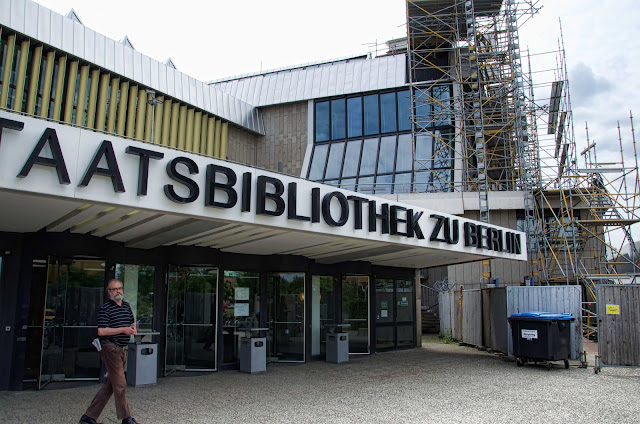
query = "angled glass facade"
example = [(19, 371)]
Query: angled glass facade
[(363, 143)]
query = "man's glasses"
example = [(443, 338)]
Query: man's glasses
[(115, 289)]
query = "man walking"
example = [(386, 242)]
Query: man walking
[(115, 325)]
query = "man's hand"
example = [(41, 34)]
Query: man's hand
[(130, 330)]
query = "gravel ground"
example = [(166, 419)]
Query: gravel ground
[(436, 383)]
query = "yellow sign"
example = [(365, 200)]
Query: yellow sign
[(613, 309)]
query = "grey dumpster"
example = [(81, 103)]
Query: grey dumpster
[(142, 364), (253, 352), (338, 344)]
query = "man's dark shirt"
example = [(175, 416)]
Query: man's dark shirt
[(113, 316)]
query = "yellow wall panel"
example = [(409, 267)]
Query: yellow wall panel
[(166, 123), (211, 129), (113, 105), (175, 114), (188, 142), (82, 95), (148, 119), (216, 143), (158, 114), (204, 132), (21, 76), (122, 107), (47, 84), (8, 66), (197, 127), (57, 100), (223, 140), (182, 127), (141, 114), (93, 98), (36, 60), (70, 91), (103, 95), (131, 111)]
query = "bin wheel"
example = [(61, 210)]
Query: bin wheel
[(519, 362), (566, 363), (548, 366)]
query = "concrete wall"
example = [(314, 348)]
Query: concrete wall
[(283, 147), (469, 274), (285, 143), (242, 146)]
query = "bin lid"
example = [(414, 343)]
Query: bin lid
[(543, 316)]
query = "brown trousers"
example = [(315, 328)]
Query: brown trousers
[(114, 358)]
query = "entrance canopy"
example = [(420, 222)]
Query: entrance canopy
[(57, 178)]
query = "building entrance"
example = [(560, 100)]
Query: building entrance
[(286, 314), (355, 312), (66, 294), (394, 313), (191, 319)]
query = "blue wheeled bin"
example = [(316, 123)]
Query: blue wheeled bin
[(541, 337)]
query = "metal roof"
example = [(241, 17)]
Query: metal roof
[(65, 34), (345, 76)]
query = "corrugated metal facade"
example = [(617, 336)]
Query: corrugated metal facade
[(355, 75), (62, 33)]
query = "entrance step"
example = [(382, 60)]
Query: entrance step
[(430, 322)]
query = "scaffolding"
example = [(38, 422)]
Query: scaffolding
[(511, 133), (465, 68)]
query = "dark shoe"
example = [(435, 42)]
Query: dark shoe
[(129, 420), (85, 419)]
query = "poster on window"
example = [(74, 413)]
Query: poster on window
[(242, 293), (241, 310)]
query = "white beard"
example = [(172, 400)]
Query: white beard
[(117, 297)]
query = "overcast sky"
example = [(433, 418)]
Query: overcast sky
[(215, 39)]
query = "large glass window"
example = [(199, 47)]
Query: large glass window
[(402, 183), (351, 158), (404, 111), (387, 155), (354, 113), (371, 115), (388, 113), (316, 172), (365, 185), (369, 156), (383, 158), (335, 161), (383, 184), (338, 117), (404, 158), (322, 121)]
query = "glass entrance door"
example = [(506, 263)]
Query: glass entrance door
[(395, 311), (285, 302), (355, 312), (191, 319), (240, 310), (73, 293)]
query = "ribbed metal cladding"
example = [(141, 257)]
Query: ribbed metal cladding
[(50, 28), (336, 78)]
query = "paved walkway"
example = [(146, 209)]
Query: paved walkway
[(439, 382)]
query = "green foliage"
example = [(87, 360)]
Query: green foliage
[(447, 337)]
